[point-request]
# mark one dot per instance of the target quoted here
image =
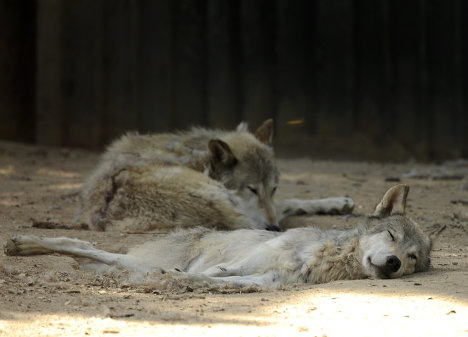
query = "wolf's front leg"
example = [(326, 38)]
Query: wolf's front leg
[(288, 207), (24, 245)]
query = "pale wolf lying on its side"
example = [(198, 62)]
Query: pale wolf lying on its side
[(385, 245), (201, 177)]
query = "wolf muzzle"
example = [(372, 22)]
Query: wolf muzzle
[(273, 228), (392, 265)]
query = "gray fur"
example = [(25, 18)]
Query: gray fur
[(192, 178), (201, 177), (382, 246)]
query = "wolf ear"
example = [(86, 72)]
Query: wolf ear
[(387, 206), (221, 152), (243, 126), (265, 132), (436, 232)]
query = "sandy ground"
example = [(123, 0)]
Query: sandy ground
[(50, 296)]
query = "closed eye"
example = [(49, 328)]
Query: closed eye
[(391, 235), (273, 190), (253, 190), (412, 257)]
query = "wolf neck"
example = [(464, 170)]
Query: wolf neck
[(336, 262), (200, 163)]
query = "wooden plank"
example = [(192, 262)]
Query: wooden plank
[(295, 72), (50, 127), (444, 81), (120, 104), (223, 55), (189, 64), (17, 68), (81, 70), (464, 74), (335, 68), (373, 86), (258, 59), (155, 64), (407, 45)]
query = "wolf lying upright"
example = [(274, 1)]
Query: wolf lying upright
[(210, 178), (385, 245)]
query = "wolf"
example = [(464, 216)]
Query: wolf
[(201, 177), (386, 244)]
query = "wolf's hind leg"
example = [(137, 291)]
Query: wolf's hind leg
[(24, 245), (339, 205)]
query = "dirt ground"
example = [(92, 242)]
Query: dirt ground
[(50, 296)]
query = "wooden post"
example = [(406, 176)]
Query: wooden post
[(443, 29), (17, 70), (155, 65), (258, 59), (81, 71), (189, 64), (407, 45), (296, 43), (223, 62), (119, 69), (373, 70), (335, 68)]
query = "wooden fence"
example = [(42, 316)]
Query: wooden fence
[(376, 79)]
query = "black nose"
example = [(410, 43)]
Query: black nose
[(392, 265), (273, 228)]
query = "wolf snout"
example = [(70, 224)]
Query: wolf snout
[(385, 267), (273, 228), (391, 265)]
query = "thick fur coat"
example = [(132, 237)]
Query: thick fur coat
[(385, 245), (212, 178)]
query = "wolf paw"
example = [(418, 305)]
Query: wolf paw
[(340, 205), (20, 245), (12, 246)]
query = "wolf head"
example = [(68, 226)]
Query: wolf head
[(244, 162), (393, 245)]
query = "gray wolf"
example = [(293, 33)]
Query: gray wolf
[(385, 245), (201, 177)]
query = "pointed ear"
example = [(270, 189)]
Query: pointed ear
[(389, 204), (221, 152), (243, 126), (265, 132), (435, 233)]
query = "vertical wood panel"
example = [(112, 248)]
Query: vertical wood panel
[(223, 78), (189, 68), (49, 113), (258, 60), (464, 74), (407, 53), (17, 70), (295, 72), (373, 69), (444, 83), (335, 67), (155, 64), (119, 68), (82, 71)]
